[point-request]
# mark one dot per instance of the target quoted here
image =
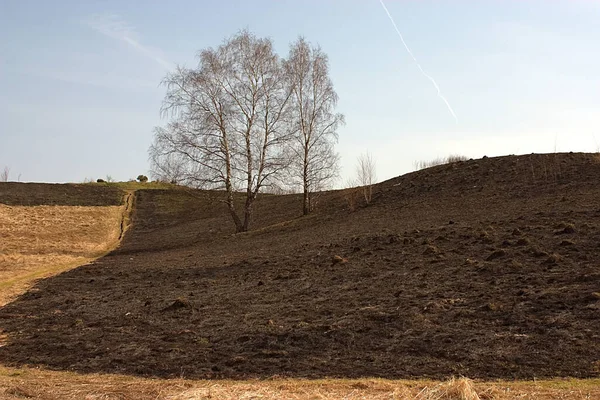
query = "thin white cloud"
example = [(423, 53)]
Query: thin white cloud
[(113, 26)]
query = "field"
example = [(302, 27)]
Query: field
[(484, 268), (41, 241)]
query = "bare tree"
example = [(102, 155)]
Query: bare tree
[(4, 174), (366, 175), (315, 162), (230, 123)]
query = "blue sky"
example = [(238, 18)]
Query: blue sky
[(80, 94)]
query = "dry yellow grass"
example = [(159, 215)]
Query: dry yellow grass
[(41, 384), (41, 241)]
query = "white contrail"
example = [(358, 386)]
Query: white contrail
[(115, 27), (439, 92)]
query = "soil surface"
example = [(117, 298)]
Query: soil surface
[(39, 194), (486, 268)]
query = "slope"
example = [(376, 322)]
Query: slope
[(486, 268)]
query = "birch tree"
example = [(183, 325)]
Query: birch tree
[(230, 122), (366, 172), (315, 162)]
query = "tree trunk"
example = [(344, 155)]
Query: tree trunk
[(239, 227), (306, 201), (247, 217), (250, 197)]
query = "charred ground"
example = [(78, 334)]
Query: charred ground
[(487, 268), (38, 194)]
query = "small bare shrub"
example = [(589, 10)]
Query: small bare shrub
[(545, 167), (367, 175), (453, 158), (4, 174)]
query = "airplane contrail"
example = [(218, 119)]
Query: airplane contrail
[(439, 92), (115, 27)]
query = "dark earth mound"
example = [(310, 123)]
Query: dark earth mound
[(487, 268)]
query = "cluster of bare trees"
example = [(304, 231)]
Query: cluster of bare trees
[(245, 120)]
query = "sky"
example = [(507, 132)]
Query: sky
[(80, 81)]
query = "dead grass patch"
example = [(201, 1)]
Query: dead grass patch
[(42, 384), (42, 241)]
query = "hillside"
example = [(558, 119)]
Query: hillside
[(48, 229), (37, 194), (486, 268)]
